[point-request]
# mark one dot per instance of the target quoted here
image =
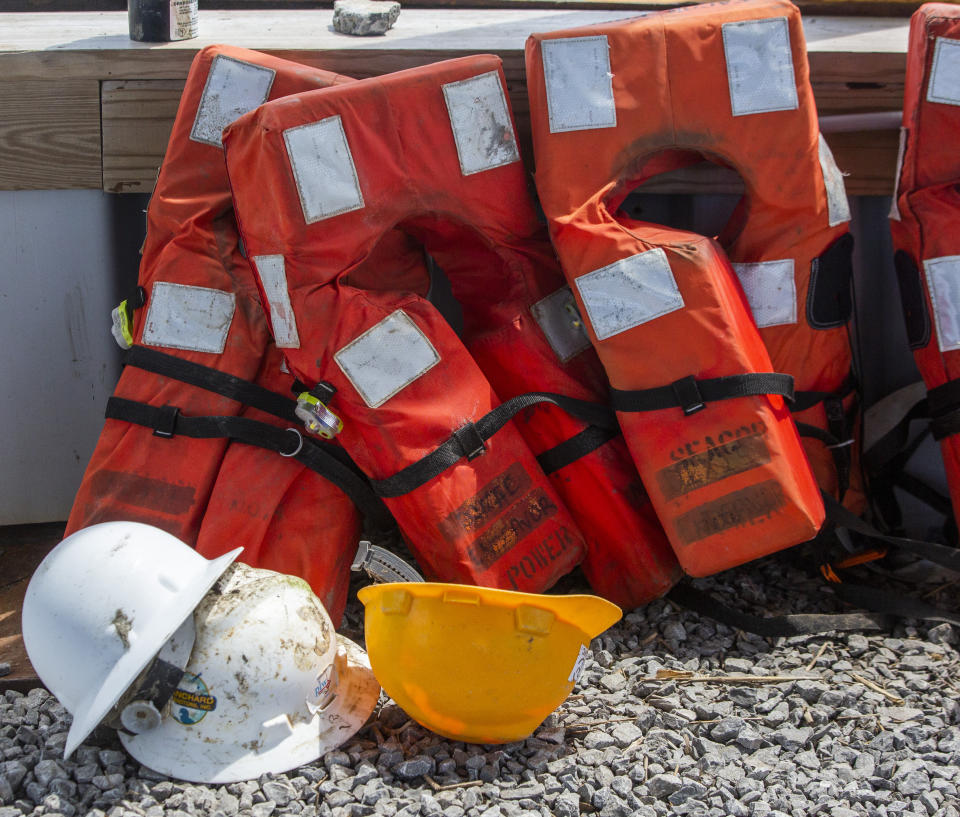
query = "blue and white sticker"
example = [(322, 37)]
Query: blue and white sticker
[(579, 664), (191, 700), (324, 690)]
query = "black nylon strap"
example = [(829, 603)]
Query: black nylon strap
[(944, 404), (680, 394), (451, 451), (945, 398), (942, 555), (773, 626), (807, 430), (946, 425), (323, 458), (927, 494), (569, 451), (884, 601), (808, 399), (888, 449), (194, 374)]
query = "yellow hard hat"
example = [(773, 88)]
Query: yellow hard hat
[(477, 664)]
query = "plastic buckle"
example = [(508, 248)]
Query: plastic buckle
[(138, 299), (688, 395), (166, 422), (833, 407), (470, 442)]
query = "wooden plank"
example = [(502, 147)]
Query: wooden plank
[(137, 117), (856, 65), (878, 8), (96, 45), (22, 548), (50, 135), (868, 159)]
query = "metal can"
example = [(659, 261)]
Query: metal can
[(162, 21)]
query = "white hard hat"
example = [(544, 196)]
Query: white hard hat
[(269, 686), (100, 607)]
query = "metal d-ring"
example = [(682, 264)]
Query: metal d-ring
[(299, 444)]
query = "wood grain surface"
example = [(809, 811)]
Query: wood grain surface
[(50, 134), (52, 140)]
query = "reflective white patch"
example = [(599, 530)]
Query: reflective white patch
[(481, 123), (186, 317), (838, 208), (579, 82), (629, 292), (943, 280), (560, 321), (233, 88), (273, 277), (894, 207), (771, 290), (759, 66), (323, 168), (386, 358), (944, 85)]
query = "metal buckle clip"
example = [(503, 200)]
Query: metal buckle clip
[(688, 395)]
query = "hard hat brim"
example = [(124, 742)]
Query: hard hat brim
[(91, 711)]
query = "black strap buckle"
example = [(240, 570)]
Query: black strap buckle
[(323, 391), (166, 421), (688, 395), (470, 442), (833, 406)]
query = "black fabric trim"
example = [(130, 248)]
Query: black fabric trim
[(569, 451), (829, 300), (323, 458), (204, 377), (916, 316), (680, 394), (448, 453)]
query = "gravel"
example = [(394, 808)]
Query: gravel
[(870, 728)]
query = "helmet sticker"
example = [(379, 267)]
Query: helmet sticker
[(191, 701), (579, 664), (324, 690)]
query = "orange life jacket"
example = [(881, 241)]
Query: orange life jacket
[(925, 217), (615, 104), (432, 150), (202, 307)]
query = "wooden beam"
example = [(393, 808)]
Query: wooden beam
[(875, 8), (22, 548), (95, 44), (137, 116), (50, 135), (856, 65)]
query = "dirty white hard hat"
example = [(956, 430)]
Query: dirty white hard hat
[(269, 686), (100, 607)]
